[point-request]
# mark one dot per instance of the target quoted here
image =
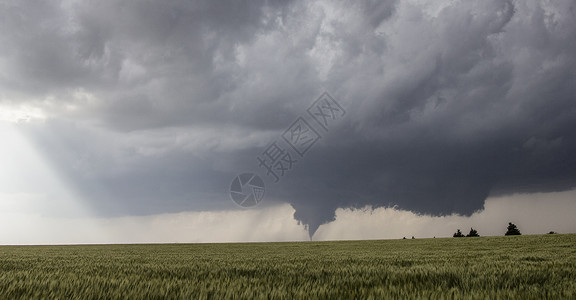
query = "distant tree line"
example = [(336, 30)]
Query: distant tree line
[(473, 233), (511, 230)]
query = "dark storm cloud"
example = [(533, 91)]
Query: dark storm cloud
[(156, 106)]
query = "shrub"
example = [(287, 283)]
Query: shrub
[(473, 233), (458, 234), (512, 230)]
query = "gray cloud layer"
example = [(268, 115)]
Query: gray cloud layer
[(156, 106)]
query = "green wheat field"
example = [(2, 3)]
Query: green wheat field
[(523, 267)]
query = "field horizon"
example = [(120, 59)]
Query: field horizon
[(268, 242)]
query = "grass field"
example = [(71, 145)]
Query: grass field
[(527, 267)]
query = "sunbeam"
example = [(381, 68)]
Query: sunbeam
[(32, 192)]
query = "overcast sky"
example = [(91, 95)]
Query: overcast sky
[(126, 119)]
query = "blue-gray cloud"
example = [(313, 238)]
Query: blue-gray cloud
[(155, 107)]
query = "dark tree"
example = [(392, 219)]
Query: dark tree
[(473, 233), (458, 234), (512, 230), (552, 232)]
